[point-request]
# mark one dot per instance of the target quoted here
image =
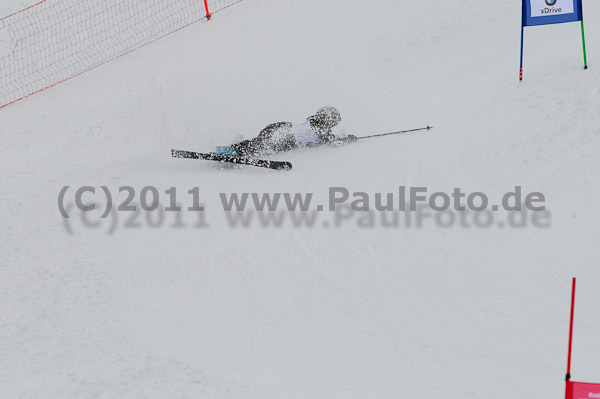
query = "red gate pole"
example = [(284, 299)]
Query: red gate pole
[(568, 378), (207, 12)]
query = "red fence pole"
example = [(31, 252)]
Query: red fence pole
[(207, 12), (571, 331)]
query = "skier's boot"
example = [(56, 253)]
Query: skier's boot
[(227, 150)]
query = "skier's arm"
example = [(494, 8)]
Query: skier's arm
[(334, 140)]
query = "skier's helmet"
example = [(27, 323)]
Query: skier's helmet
[(330, 115)]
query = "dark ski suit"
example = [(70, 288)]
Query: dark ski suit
[(285, 136)]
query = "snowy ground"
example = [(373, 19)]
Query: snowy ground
[(11, 6), (323, 312)]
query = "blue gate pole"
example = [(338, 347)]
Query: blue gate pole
[(521, 70)]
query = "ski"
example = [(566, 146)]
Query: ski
[(211, 156)]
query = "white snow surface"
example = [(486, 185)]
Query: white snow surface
[(323, 312)]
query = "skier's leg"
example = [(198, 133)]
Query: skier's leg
[(274, 139), (270, 140)]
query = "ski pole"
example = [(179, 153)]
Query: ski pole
[(402, 131)]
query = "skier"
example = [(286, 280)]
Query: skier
[(285, 136)]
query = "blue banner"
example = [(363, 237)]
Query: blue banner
[(543, 12)]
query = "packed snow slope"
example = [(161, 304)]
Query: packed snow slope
[(298, 312)]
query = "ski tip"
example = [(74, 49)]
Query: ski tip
[(285, 166), (177, 153)]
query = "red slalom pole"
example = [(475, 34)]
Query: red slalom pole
[(571, 331), (207, 12)]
